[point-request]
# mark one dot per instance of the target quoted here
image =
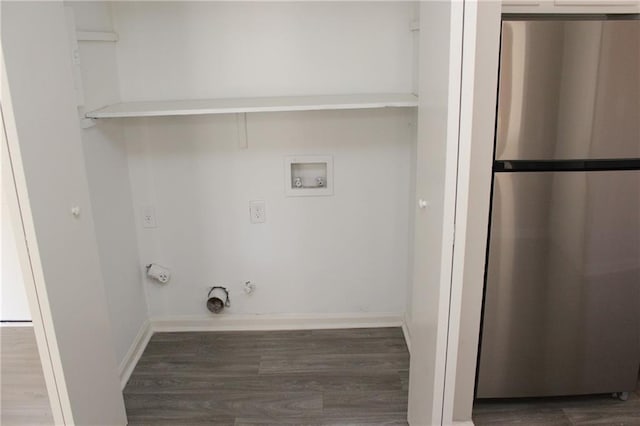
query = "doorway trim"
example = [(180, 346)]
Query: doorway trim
[(13, 183), (481, 41)]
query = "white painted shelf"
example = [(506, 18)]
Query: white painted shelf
[(244, 105)]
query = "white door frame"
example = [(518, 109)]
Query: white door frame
[(461, 210), (14, 186), (441, 54), (481, 39)]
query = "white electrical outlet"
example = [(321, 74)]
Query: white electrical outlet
[(149, 217), (257, 211), (158, 273)]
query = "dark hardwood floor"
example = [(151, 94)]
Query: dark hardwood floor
[(602, 410), (23, 393), (313, 377)]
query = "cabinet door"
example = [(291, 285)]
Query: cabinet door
[(520, 2), (596, 2), (570, 6)]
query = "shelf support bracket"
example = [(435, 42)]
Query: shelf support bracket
[(241, 124), (85, 122)]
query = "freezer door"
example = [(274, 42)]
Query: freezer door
[(569, 89), (562, 301)]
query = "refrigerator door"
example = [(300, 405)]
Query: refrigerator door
[(569, 89), (563, 285)]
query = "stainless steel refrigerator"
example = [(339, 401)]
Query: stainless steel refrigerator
[(561, 311)]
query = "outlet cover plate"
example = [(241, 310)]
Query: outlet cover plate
[(257, 211), (149, 217)]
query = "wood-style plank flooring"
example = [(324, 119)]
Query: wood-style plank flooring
[(321, 377), (602, 410), (311, 377), (23, 393)]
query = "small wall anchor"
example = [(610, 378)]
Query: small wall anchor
[(249, 287)]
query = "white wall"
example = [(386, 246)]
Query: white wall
[(183, 50), (347, 253), (105, 156), (14, 305)]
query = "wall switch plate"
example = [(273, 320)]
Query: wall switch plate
[(257, 211), (149, 217)]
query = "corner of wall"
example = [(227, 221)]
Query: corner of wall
[(105, 157)]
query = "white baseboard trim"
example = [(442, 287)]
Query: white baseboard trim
[(407, 334), (27, 323), (231, 322), (134, 353)]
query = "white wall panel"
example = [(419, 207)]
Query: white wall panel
[(106, 162), (191, 50), (345, 253)]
